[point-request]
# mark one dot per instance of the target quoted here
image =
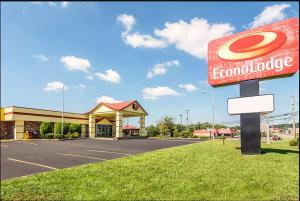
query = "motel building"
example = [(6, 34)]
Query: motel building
[(104, 120)]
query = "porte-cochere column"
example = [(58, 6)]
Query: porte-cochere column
[(142, 125), (119, 124), (92, 126)]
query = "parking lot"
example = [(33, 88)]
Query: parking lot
[(20, 158)]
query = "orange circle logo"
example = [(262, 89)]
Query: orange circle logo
[(251, 45)]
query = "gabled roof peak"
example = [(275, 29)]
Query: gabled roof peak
[(115, 106)]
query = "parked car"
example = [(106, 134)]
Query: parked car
[(276, 137)]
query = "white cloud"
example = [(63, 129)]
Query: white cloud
[(41, 57), (36, 2), (107, 99), (75, 63), (51, 3), (146, 41), (110, 76), (89, 77), (55, 86), (161, 68), (193, 37), (188, 87), (80, 86), (136, 39), (128, 21), (65, 4), (154, 93), (269, 14)]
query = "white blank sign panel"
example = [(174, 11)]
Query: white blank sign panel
[(252, 104)]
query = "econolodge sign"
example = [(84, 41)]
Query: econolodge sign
[(263, 52)]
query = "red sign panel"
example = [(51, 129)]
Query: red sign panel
[(266, 51)]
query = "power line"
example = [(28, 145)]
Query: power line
[(293, 114), (187, 119)]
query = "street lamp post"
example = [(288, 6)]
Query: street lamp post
[(213, 110), (187, 119), (181, 122), (62, 112)]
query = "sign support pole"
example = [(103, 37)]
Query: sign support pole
[(250, 122)]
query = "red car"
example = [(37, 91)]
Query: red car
[(276, 137)]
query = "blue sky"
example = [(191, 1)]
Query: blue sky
[(117, 51)]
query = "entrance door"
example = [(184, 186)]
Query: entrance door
[(103, 130)]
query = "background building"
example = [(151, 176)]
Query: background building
[(104, 120)]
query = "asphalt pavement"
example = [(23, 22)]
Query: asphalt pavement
[(20, 158)]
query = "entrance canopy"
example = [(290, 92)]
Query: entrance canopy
[(114, 113)]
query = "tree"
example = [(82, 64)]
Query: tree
[(57, 128), (218, 126), (166, 126), (75, 128), (152, 131), (46, 127)]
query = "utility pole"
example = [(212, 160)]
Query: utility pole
[(213, 112), (293, 114), (181, 122), (268, 131), (187, 119), (62, 112)]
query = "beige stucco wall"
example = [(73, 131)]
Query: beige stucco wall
[(103, 109), (105, 122), (130, 109), (55, 116), (19, 130)]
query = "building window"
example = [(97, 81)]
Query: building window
[(103, 130)]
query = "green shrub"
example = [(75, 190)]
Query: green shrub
[(68, 135), (294, 142), (72, 135), (75, 128), (57, 128), (46, 127), (75, 135), (152, 131), (49, 136), (58, 136), (53, 136), (185, 134)]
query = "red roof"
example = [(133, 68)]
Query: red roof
[(226, 131), (219, 131), (117, 106), (130, 127)]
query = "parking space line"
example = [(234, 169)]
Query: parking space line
[(91, 150), (2, 145), (80, 156), (36, 164), (27, 142)]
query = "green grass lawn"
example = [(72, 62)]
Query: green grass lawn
[(202, 171)]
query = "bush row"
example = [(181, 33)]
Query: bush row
[(70, 130), (60, 136)]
